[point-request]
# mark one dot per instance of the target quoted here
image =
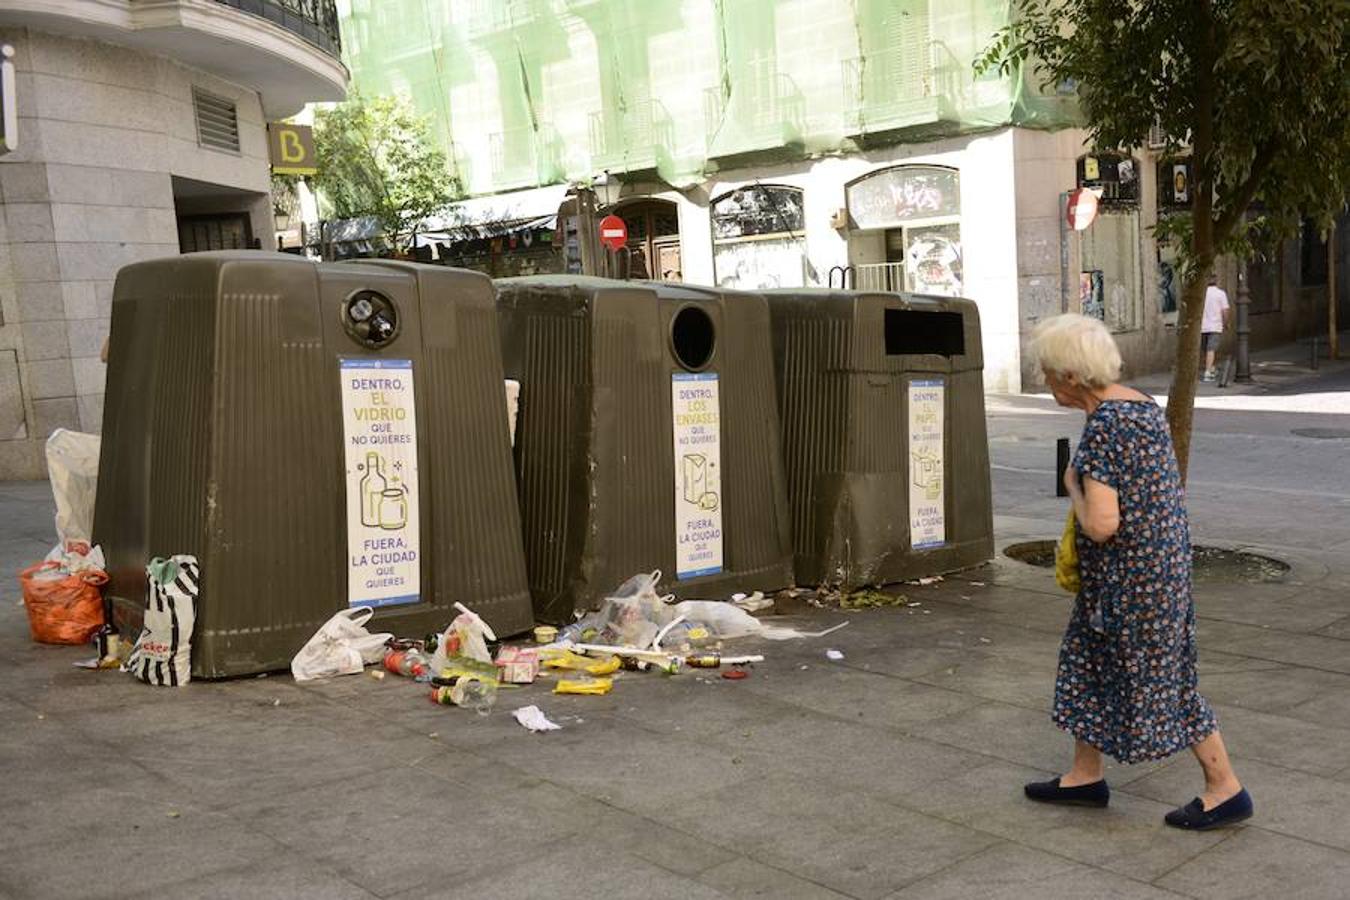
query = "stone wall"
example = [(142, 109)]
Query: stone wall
[(103, 130)]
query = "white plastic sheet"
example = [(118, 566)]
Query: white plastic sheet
[(72, 465)]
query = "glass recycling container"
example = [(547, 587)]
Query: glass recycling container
[(319, 436)]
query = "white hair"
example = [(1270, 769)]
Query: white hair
[(1077, 345)]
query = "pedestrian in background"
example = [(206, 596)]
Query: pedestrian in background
[(1126, 682), (1212, 325)]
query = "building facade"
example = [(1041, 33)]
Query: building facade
[(142, 133), (768, 143)]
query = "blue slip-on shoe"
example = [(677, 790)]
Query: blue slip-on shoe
[(1096, 794), (1194, 817)]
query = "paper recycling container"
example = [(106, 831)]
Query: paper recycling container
[(884, 441), (647, 438), (319, 436)]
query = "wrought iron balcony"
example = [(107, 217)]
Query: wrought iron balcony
[(916, 84), (630, 139), (314, 20)]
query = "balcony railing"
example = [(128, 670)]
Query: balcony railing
[(878, 277), (524, 156), (764, 111), (906, 85), (631, 138), (314, 20), (493, 16)]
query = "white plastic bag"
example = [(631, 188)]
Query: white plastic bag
[(342, 646), (163, 652), (512, 406), (72, 465), (466, 637)]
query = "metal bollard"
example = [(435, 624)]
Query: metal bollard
[(1061, 465)]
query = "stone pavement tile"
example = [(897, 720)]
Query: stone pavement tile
[(229, 763), (872, 697), (1313, 651), (571, 869), (288, 877), (1277, 689), (141, 845), (815, 829), (1319, 749), (1338, 629), (746, 878), (1255, 864), (1214, 661), (1128, 837), (644, 773), (1292, 803), (1332, 708), (1008, 679), (873, 760), (391, 829), (1303, 611), (1009, 733), (1012, 872)]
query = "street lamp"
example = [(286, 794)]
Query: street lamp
[(607, 189)]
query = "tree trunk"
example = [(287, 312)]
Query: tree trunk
[(1181, 397)]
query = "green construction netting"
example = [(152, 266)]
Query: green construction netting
[(533, 92)]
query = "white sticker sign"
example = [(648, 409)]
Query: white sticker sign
[(379, 433), (698, 474), (927, 492)]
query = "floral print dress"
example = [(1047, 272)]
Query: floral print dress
[(1126, 682)]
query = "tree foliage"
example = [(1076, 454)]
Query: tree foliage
[(1257, 92), (375, 158)]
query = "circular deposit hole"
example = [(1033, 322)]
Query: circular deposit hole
[(1208, 563)]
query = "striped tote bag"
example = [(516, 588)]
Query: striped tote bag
[(163, 652)]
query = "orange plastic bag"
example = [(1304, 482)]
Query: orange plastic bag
[(65, 610)]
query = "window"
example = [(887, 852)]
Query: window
[(920, 209), (758, 238), (217, 121)]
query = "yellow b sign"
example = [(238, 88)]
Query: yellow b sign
[(292, 149)]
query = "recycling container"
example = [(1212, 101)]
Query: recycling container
[(319, 436), (887, 457), (647, 438)]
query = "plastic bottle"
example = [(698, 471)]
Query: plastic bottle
[(408, 663)]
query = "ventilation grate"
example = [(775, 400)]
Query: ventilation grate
[(217, 121)]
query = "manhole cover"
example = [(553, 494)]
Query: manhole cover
[(1208, 563), (1330, 434)]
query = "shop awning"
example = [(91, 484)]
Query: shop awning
[(495, 215)]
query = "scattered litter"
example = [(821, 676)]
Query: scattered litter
[(594, 686), (173, 814), (575, 662), (377, 674), (735, 674), (753, 603), (162, 654), (985, 640), (965, 596), (518, 665), (927, 580), (977, 583), (276, 702), (871, 599), (263, 675), (915, 603), (835, 655), (341, 646), (533, 718), (545, 634)]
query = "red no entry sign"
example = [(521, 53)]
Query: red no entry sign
[(613, 232), (1081, 209)]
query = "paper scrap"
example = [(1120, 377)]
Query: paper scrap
[(835, 655), (533, 718)]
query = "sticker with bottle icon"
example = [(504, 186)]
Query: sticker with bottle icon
[(380, 448)]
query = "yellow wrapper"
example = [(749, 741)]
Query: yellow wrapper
[(589, 686)]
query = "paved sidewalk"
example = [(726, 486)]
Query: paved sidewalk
[(896, 772)]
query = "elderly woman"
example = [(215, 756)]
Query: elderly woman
[(1126, 684)]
